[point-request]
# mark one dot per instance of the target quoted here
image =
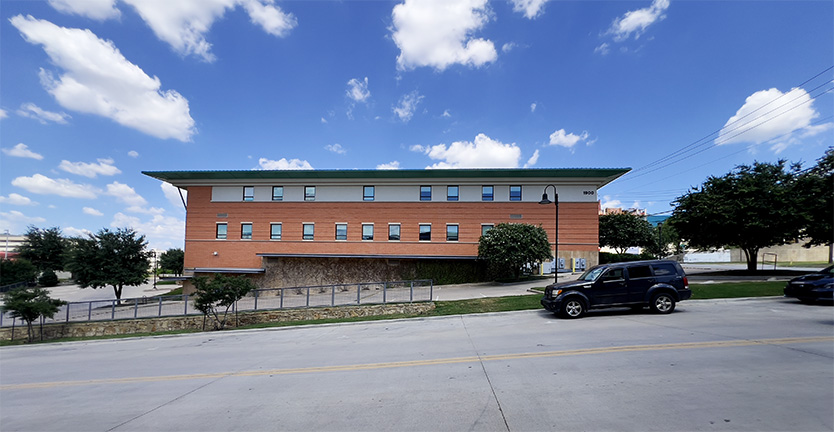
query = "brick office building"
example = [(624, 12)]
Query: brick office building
[(291, 228)]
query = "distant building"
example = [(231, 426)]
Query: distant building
[(315, 227), (10, 244)]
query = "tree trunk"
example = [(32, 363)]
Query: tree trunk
[(752, 256)]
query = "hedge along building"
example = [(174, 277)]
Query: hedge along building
[(316, 227)]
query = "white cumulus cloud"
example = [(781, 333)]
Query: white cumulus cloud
[(533, 159), (96, 9), (21, 150), (568, 140), (358, 90), (283, 164), (3, 114), (133, 154), (160, 230), (91, 211), (483, 152), (17, 199), (610, 203), (43, 185), (172, 194), (637, 21), (104, 167), (125, 194), (439, 33), (335, 148), (76, 232), (407, 105), (16, 222), (393, 165), (530, 8), (183, 24), (98, 79), (33, 111), (770, 115)]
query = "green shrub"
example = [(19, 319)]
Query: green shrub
[(450, 272), (17, 270), (48, 279)]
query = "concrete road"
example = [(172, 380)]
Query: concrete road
[(758, 365)]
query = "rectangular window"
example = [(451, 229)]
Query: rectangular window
[(249, 193), (341, 231), (452, 193), (452, 233), (367, 231), (487, 193), (394, 232), (425, 232), (368, 193), (485, 228), (309, 193), (425, 193), (637, 272), (220, 233), (515, 193), (246, 231), (309, 231), (275, 230), (277, 193)]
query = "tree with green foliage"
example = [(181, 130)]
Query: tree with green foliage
[(29, 304), (48, 279), (752, 207), (664, 241), (508, 248), (221, 291), (17, 270), (110, 258), (44, 248), (621, 231), (814, 191), (172, 260)]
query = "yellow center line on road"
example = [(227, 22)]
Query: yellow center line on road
[(444, 361)]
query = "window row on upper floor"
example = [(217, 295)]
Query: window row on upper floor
[(370, 193), (340, 231)]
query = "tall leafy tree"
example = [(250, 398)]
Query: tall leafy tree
[(29, 304), (815, 193), (752, 207), (513, 246), (621, 231), (44, 248), (110, 258), (664, 241), (172, 260), (18, 270)]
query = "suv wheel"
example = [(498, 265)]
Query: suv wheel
[(573, 308), (663, 303)]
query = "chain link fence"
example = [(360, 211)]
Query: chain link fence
[(260, 299)]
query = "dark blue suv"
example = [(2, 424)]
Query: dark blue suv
[(657, 284)]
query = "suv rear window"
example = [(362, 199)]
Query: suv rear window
[(664, 269), (639, 272)]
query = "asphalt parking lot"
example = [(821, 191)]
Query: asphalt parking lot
[(762, 364)]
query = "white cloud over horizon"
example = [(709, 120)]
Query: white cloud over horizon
[(772, 116), (283, 164), (16, 222), (91, 211), (33, 111), (172, 194), (17, 199), (43, 185), (407, 105), (97, 79), (393, 165), (439, 33), (104, 167), (483, 152), (567, 140), (529, 8), (21, 150), (125, 194)]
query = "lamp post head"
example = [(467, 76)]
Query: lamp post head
[(545, 200)]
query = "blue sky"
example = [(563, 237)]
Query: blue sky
[(94, 91)]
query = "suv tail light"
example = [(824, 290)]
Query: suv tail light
[(685, 282)]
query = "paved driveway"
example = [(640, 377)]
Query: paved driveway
[(763, 364)]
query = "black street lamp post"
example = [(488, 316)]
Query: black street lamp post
[(546, 201)]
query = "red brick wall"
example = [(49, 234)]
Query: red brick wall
[(578, 227)]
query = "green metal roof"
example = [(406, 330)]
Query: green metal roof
[(185, 176)]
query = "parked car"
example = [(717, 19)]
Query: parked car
[(812, 287), (658, 284)]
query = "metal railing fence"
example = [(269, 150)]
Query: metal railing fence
[(260, 299)]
